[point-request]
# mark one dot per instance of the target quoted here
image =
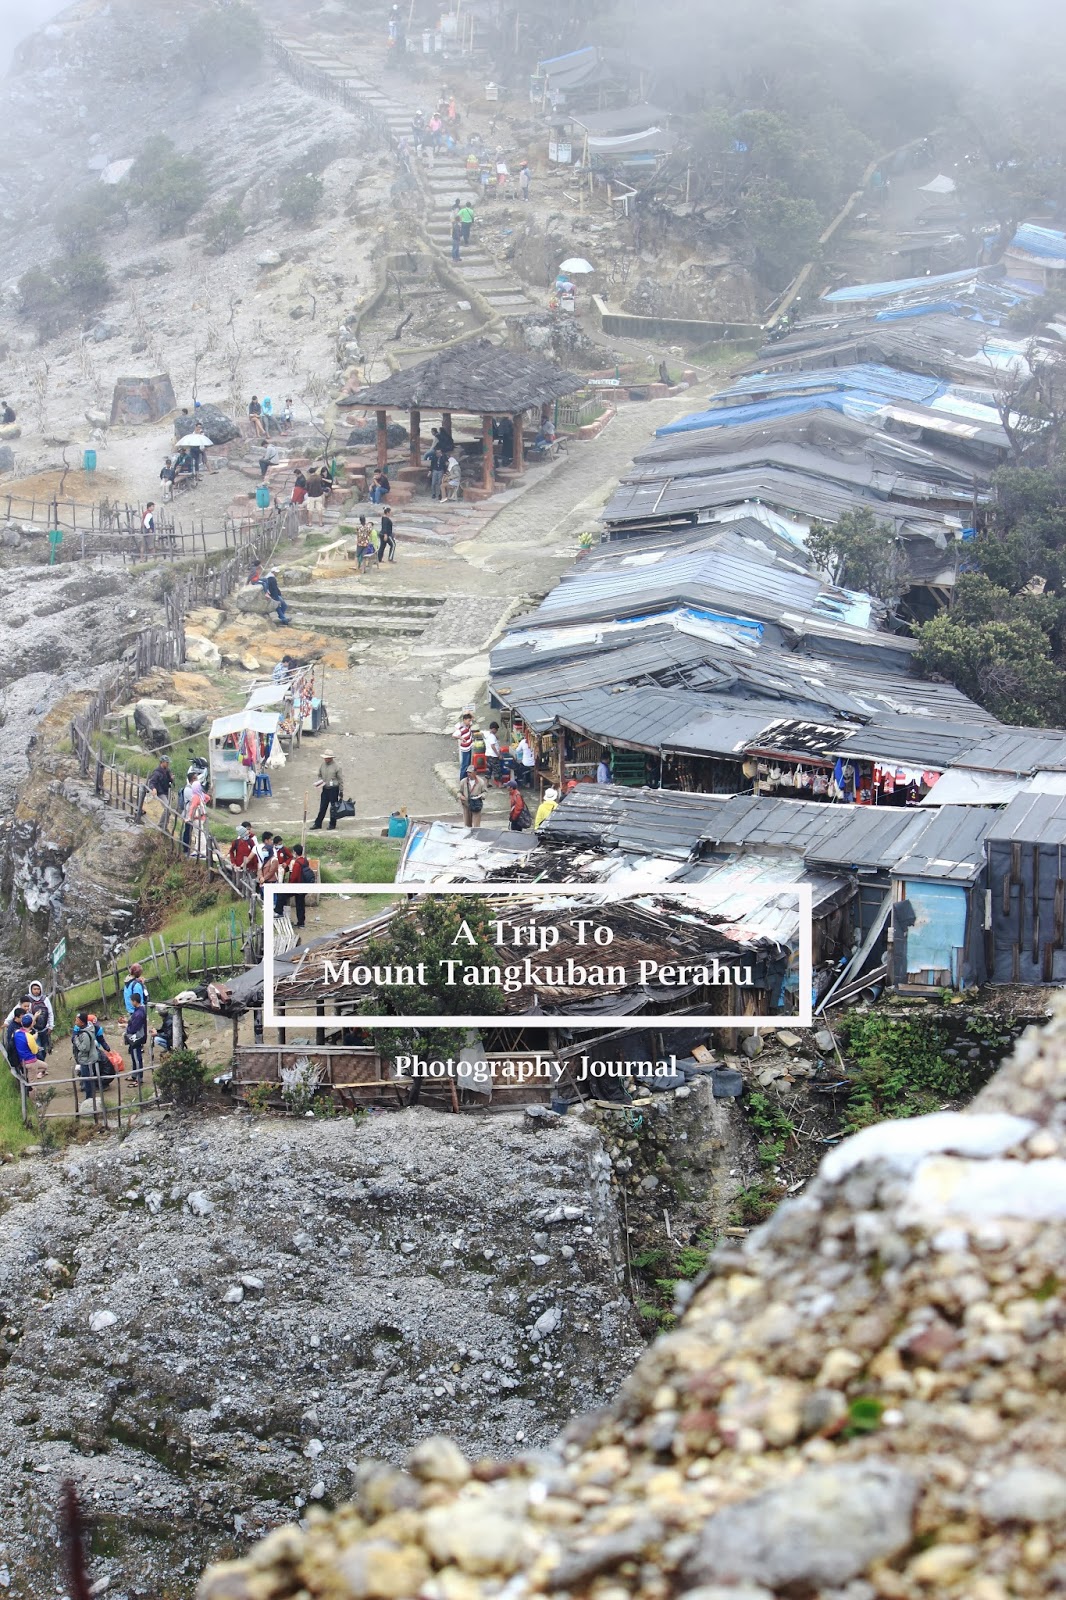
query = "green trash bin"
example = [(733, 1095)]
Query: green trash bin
[(262, 497), (89, 461), (398, 826)]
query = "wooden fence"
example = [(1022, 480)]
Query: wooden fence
[(93, 531)]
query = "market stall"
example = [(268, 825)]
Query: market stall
[(239, 748)]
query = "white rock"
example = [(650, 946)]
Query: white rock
[(540, 1261), (253, 1284), (317, 1490), (1025, 1493), (983, 1191), (101, 1320), (904, 1144), (200, 1204), (233, 1295), (313, 1449), (547, 1322), (154, 1201)]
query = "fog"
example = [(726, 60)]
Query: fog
[(17, 19)]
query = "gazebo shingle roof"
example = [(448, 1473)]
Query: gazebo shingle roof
[(477, 378)]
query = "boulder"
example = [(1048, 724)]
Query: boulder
[(367, 433), (139, 400), (96, 419), (253, 602), (11, 430), (150, 725), (202, 650), (7, 458), (219, 428), (268, 258), (191, 721)]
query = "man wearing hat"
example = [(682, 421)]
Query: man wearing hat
[(331, 781)]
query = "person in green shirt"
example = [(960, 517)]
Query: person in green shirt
[(466, 219)]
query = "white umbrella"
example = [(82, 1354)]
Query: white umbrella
[(577, 264), (193, 439)]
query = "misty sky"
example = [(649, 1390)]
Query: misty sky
[(19, 17)]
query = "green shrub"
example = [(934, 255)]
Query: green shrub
[(772, 1128), (86, 214), (903, 1069), (181, 1077), (301, 197), (223, 44), (224, 228), (69, 287), (169, 185)]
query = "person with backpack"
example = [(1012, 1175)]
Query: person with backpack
[(86, 1051), (43, 1017), (12, 1021), (27, 1053), (271, 867), (472, 798), (242, 852), (136, 1037), (300, 871), (135, 990), (520, 818)]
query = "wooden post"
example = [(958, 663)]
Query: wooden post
[(416, 437), (383, 439), (486, 445), (519, 457)]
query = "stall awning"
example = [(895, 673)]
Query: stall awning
[(244, 721)]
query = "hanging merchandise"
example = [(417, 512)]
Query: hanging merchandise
[(276, 758)]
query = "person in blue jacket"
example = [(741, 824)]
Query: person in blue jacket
[(25, 1040)]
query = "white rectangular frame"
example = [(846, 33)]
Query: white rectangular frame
[(803, 1018)]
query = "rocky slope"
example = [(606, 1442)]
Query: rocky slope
[(209, 1322), (866, 1400)]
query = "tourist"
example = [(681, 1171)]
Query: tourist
[(134, 990), (194, 774), (264, 852), (136, 1037), (316, 495), (270, 867), (7, 416), (436, 131), (453, 479), (194, 815), (255, 417), (199, 451), (161, 781), (299, 488), (380, 487), (267, 409), (184, 468), (525, 761), (44, 1019), (167, 474), (438, 461), (269, 586), (331, 781), (148, 529), (300, 871), (457, 237), (444, 438), (364, 547), (463, 732), (243, 850), (267, 459), (466, 219), (546, 807), (603, 771), (287, 415), (519, 818), (524, 180), (85, 1046), (386, 536), (30, 1064), (492, 751), (12, 1021), (472, 798)]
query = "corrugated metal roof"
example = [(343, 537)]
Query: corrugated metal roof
[(895, 286), (951, 848), (1018, 750), (836, 835), (910, 741), (872, 379), (656, 821), (1030, 819), (1046, 245), (872, 837)]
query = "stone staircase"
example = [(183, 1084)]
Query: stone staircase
[(442, 180), (360, 613)]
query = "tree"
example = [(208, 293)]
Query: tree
[(1004, 665), (430, 933), (69, 287), (86, 214), (224, 228), (223, 44), (783, 227), (301, 196), (858, 552), (169, 185), (1024, 537)]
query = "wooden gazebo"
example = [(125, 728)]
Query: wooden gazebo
[(477, 379)]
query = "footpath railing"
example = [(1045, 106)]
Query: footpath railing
[(105, 1095), (337, 87), (93, 530)]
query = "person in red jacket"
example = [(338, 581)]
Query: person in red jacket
[(242, 850)]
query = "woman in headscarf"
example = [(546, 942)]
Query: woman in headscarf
[(44, 1019)]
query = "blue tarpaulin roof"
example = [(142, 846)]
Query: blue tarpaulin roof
[(1047, 243), (884, 291), (868, 378)]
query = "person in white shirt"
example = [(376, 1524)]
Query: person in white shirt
[(525, 761), (148, 529), (491, 737)]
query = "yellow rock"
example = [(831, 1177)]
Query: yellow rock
[(943, 1563), (381, 1570)]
